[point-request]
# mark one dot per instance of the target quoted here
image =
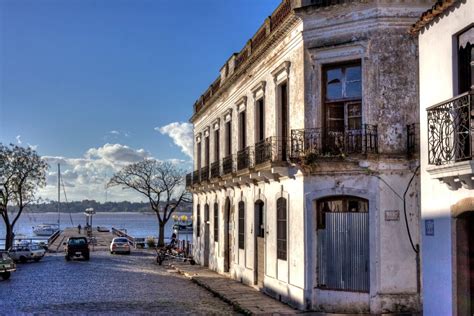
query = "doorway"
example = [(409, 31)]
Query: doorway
[(227, 235), (206, 235), (259, 243)]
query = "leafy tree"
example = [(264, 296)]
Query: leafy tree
[(22, 172), (162, 183)]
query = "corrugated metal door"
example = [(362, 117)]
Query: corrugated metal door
[(343, 251)]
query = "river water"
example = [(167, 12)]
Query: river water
[(136, 224)]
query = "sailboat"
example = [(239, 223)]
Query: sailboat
[(49, 229)]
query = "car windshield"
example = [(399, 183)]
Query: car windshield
[(35, 247), (121, 240), (77, 241), (5, 256)]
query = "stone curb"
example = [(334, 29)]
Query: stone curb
[(237, 306)]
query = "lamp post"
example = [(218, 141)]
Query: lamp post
[(89, 212)]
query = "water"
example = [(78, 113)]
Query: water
[(136, 224)]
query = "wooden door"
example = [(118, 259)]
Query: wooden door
[(206, 236), (259, 243), (227, 236)]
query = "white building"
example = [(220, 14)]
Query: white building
[(305, 156), (446, 36)]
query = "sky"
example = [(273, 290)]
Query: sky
[(96, 85)]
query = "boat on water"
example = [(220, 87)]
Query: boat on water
[(45, 229), (183, 228)]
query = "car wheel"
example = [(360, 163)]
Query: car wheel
[(23, 259), (68, 258), (128, 252), (86, 257), (192, 262), (112, 252), (37, 259), (6, 275)]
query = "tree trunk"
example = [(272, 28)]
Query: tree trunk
[(161, 235), (9, 236)]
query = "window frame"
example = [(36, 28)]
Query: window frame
[(216, 222), (282, 222), (241, 225), (198, 220)]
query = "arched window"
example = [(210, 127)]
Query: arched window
[(241, 225), (198, 221), (216, 222), (282, 235)]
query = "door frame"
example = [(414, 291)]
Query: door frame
[(256, 263)]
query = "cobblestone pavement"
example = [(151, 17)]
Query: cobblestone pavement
[(107, 284)]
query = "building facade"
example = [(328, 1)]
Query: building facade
[(446, 68), (305, 183)]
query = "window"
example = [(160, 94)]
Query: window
[(242, 131), (283, 117), (198, 221), (259, 219), (206, 144), (281, 229), (465, 66), (241, 225), (259, 120), (228, 136), (216, 146), (199, 155), (343, 110), (216, 222)]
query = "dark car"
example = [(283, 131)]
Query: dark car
[(7, 266), (77, 247)]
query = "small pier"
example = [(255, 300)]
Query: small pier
[(100, 241)]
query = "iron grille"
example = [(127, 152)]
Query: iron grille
[(450, 130), (243, 158), (320, 142), (271, 149), (215, 169), (196, 178), (189, 179), (205, 173), (227, 165)]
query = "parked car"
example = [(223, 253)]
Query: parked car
[(24, 252), (77, 247), (120, 245), (7, 266)]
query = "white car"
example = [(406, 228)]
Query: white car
[(25, 252), (120, 245)]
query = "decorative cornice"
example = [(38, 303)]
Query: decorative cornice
[(241, 104), (436, 10), (258, 87)]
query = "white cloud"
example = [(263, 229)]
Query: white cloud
[(114, 132), (18, 139), (182, 135)]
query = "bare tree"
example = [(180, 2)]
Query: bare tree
[(22, 172), (161, 183)]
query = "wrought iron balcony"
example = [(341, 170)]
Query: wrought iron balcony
[(196, 177), (215, 169), (271, 149), (450, 130), (320, 142), (205, 173), (228, 165), (189, 180), (244, 158)]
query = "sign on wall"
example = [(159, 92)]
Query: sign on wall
[(429, 227)]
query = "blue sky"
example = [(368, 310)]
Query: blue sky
[(77, 75)]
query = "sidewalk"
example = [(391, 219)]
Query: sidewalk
[(245, 299)]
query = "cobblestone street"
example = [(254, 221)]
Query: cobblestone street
[(107, 284)]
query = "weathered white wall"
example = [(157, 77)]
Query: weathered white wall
[(437, 84)]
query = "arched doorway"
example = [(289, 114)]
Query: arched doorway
[(342, 227), (463, 256), (259, 242), (227, 234)]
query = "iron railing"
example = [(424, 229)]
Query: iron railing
[(450, 130), (196, 177), (228, 165), (215, 169), (271, 149), (321, 142), (205, 173), (189, 180), (244, 158)]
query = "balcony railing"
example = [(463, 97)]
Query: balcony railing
[(189, 180), (205, 173), (321, 142), (228, 165), (196, 177), (271, 149), (450, 130), (215, 169), (244, 158)]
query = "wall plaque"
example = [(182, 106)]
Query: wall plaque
[(429, 227), (392, 215)]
